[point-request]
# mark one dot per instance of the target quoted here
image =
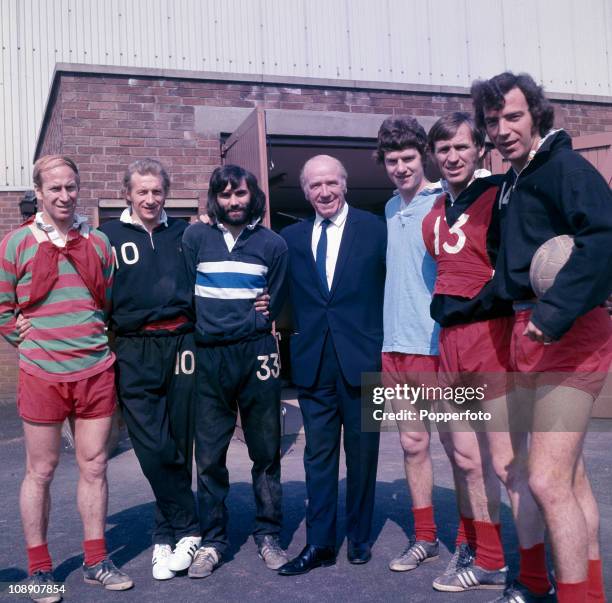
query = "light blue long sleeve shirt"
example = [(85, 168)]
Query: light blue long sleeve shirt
[(411, 275)]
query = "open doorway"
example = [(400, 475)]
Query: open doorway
[(368, 185)]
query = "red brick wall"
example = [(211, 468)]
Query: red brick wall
[(9, 219)]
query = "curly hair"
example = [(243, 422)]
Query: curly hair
[(234, 175), (489, 94), (399, 133)]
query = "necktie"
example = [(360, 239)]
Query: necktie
[(322, 254)]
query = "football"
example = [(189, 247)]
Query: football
[(547, 261)]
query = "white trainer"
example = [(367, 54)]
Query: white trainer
[(183, 553), (159, 562)]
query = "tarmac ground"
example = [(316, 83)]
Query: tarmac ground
[(243, 577)]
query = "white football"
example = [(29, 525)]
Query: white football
[(547, 261)]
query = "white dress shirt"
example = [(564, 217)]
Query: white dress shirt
[(334, 236)]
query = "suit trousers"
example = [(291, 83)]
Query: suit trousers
[(327, 407), (155, 383), (244, 377)]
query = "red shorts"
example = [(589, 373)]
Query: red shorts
[(477, 354), (412, 369), (580, 359), (41, 401)]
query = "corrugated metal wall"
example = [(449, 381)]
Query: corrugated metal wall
[(566, 44)]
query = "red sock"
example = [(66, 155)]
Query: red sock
[(466, 533), (532, 572), (95, 551), (576, 592), (489, 550), (424, 524), (39, 559), (595, 581)]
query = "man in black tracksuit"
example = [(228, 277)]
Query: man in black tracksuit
[(152, 320), (564, 337), (230, 262)]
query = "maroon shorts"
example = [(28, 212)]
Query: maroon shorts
[(580, 359), (477, 355), (41, 401), (412, 369)]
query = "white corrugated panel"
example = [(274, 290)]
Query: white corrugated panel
[(409, 54), (522, 37), (558, 59), (327, 44), (566, 44), (283, 39), (369, 41), (448, 46), (589, 44), (485, 40)]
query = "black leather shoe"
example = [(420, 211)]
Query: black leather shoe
[(358, 552), (310, 557)]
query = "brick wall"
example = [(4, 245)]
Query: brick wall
[(9, 219), (106, 121)]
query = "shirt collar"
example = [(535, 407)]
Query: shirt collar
[(49, 228), (337, 220), (480, 173), (250, 226), (432, 188), (126, 217)]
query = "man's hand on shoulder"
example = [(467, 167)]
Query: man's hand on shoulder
[(262, 303)]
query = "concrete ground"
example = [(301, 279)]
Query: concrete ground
[(244, 578)]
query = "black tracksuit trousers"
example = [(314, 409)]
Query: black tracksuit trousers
[(242, 376), (155, 384)]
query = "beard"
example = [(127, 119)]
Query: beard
[(235, 220)]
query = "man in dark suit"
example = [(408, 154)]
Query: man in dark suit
[(337, 276)]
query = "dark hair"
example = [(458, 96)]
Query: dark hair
[(489, 94), (446, 127), (399, 133), (144, 167), (234, 175)]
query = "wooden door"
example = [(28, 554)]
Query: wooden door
[(246, 147)]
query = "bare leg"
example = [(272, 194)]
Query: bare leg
[(553, 459), (42, 443), (418, 467), (588, 504), (91, 437), (509, 453), (479, 493)]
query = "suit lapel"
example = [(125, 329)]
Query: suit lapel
[(348, 236)]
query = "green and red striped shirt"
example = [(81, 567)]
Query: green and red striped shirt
[(67, 341)]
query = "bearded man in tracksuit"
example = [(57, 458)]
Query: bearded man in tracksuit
[(563, 338), (462, 234), (152, 321), (230, 262)]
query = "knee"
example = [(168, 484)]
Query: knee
[(414, 445), (467, 462), (548, 486), (41, 472), (93, 468)]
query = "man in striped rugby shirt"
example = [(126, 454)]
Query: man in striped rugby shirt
[(230, 261), (57, 273)]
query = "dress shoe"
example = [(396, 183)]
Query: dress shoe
[(358, 552), (310, 557)]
